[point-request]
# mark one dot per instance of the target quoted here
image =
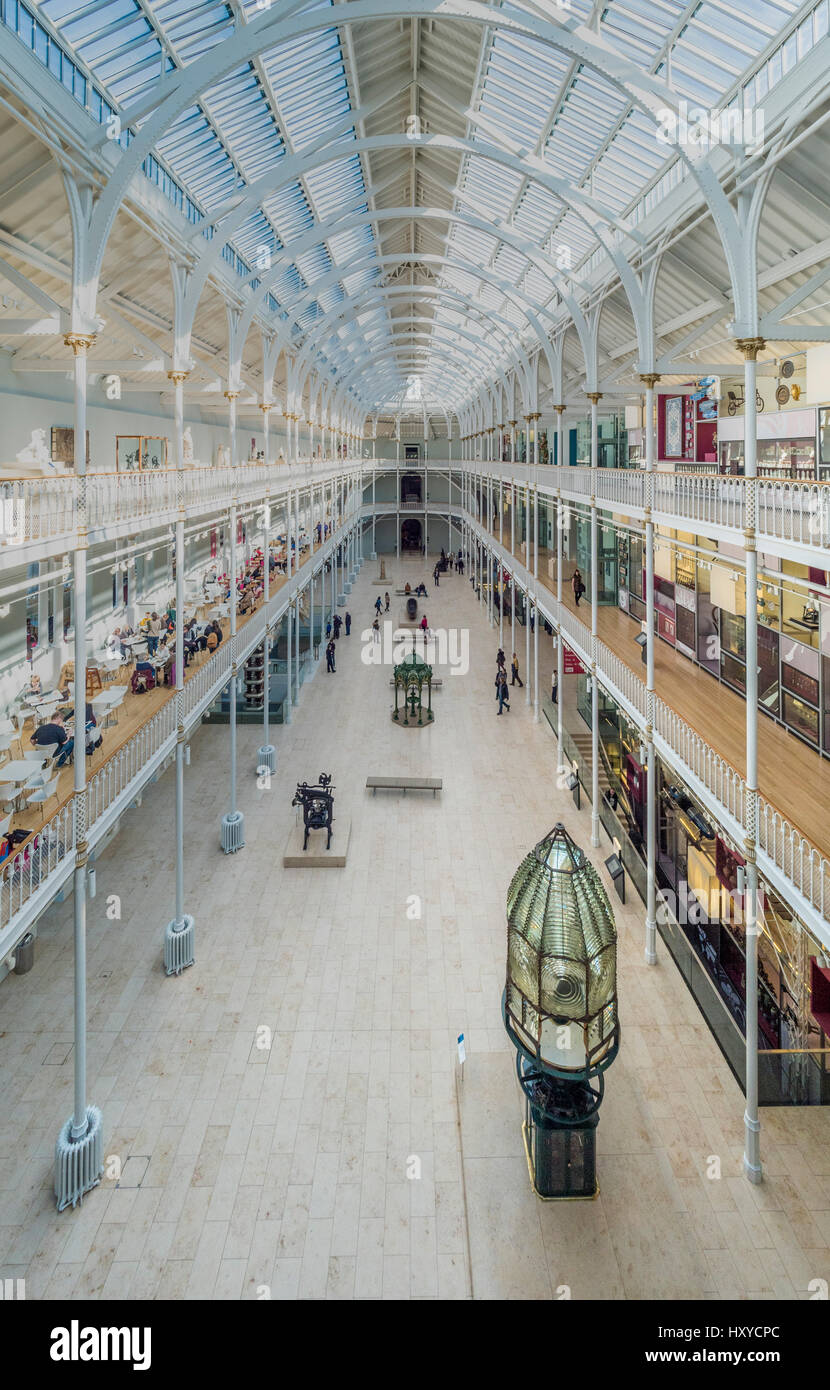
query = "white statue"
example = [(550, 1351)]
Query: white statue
[(187, 446), (223, 456), (36, 451)]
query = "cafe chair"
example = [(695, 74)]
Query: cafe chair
[(94, 684), (20, 720), (41, 795)]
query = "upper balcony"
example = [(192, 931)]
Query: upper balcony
[(792, 518), (39, 516)]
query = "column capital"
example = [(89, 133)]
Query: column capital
[(594, 397), (650, 379), (750, 347), (231, 395), (265, 406), (536, 415), (560, 409), (512, 424), (79, 342)]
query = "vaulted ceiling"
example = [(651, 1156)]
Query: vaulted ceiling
[(477, 165)]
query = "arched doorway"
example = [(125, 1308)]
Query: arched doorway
[(411, 535)]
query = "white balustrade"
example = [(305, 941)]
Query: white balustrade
[(23, 873)]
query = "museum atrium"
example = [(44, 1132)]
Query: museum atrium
[(454, 350)]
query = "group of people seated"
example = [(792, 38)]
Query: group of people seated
[(59, 732), (115, 642)]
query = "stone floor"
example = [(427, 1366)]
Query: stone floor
[(346, 1159)]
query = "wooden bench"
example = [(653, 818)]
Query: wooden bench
[(404, 784)]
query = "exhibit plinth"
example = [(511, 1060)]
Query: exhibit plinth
[(317, 856)]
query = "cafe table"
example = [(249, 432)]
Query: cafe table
[(17, 773)]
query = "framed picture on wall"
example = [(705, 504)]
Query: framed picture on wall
[(674, 427), (63, 445), (127, 453)]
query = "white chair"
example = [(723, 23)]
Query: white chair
[(19, 721), (36, 755), (4, 824), (111, 711), (41, 795)]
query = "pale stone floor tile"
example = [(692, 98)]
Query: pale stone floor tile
[(350, 1156)]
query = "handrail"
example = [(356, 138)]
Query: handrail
[(27, 870), (800, 862)]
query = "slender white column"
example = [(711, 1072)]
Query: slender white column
[(650, 380), (528, 566), (80, 344), (594, 397), (513, 561), (752, 1124), (560, 646), (536, 606), (501, 565), (178, 379), (296, 694), (231, 397)]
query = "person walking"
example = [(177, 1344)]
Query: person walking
[(378, 605), (516, 678), (502, 692), (499, 660), (578, 586), (348, 624), (338, 623), (376, 630), (328, 629), (554, 688), (386, 597), (424, 626), (330, 666)]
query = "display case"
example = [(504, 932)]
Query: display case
[(622, 569), (732, 457), (787, 458), (824, 443), (134, 452)]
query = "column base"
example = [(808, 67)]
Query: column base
[(347, 587), (233, 832), (266, 758), (752, 1157), (341, 599), (79, 1163), (595, 830), (650, 951), (179, 946)]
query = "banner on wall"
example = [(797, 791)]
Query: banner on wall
[(571, 663)]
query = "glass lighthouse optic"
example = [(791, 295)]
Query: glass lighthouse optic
[(560, 1007)]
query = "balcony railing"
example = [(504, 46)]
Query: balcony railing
[(43, 509), (795, 513), (799, 862), (133, 763)]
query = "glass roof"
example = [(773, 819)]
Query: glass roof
[(528, 97)]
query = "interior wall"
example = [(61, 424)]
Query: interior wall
[(28, 402)]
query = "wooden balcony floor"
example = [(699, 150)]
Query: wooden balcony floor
[(134, 712), (792, 777)]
